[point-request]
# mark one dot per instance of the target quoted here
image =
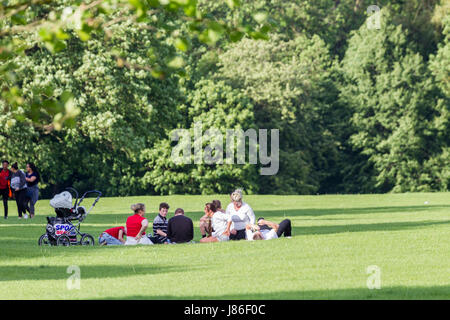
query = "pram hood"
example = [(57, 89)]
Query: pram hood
[(62, 200)]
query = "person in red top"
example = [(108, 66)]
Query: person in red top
[(5, 191), (112, 236), (136, 226)]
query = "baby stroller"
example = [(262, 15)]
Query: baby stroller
[(60, 229)]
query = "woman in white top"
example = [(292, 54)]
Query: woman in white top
[(220, 222), (241, 215)]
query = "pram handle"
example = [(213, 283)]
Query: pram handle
[(99, 194), (79, 200)]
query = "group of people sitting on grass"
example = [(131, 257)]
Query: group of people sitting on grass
[(237, 222)]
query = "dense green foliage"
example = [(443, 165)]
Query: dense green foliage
[(358, 109)]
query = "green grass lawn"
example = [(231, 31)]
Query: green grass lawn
[(335, 238)]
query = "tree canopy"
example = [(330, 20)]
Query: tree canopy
[(92, 91)]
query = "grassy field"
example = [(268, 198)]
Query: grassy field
[(335, 239)]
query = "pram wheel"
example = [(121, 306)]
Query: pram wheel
[(63, 240), (44, 241), (87, 240)]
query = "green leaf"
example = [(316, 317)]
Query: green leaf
[(181, 44), (84, 36), (233, 3), (19, 18), (60, 34), (140, 6), (153, 3), (259, 35), (45, 34), (180, 2), (176, 62), (55, 45), (5, 54), (190, 10), (235, 36)]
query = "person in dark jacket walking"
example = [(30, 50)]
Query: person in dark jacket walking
[(5, 189), (32, 177), (180, 228), (19, 186)]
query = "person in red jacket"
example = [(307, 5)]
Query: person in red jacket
[(112, 236), (136, 226), (5, 190)]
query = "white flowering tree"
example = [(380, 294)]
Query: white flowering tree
[(30, 24), (88, 87)]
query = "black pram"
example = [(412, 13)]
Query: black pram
[(60, 229)]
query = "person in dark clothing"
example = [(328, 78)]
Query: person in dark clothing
[(19, 186), (32, 177), (266, 230), (284, 227), (180, 228), (5, 190), (160, 225)]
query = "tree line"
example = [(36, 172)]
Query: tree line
[(359, 109)]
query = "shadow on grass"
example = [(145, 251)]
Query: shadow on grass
[(391, 226), (398, 292), (120, 219), (310, 212), (20, 273), (347, 211)]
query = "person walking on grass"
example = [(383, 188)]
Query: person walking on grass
[(112, 236), (136, 226), (32, 178), (160, 225), (220, 222), (180, 229), (19, 186), (5, 188)]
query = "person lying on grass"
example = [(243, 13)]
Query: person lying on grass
[(266, 230), (136, 226), (220, 223), (112, 236)]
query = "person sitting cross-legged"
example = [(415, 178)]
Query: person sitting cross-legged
[(266, 230), (241, 215), (136, 226), (160, 225), (180, 228), (205, 225), (220, 223), (112, 236)]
